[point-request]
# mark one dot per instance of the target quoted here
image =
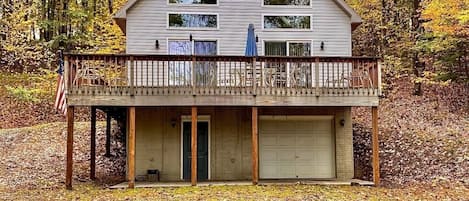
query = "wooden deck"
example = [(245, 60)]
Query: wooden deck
[(175, 80)]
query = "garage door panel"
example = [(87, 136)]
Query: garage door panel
[(305, 140), (304, 171), (296, 149), (287, 155), (267, 155), (323, 157), (303, 125), (303, 156), (285, 171), (269, 171), (322, 142), (322, 125), (268, 140), (286, 140)]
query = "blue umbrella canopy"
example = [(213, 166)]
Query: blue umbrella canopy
[(251, 46)]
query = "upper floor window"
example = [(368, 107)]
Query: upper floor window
[(287, 22), (287, 2), (193, 1), (187, 20)]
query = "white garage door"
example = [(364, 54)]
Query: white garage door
[(301, 148)]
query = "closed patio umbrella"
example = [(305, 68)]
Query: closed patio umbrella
[(251, 46), (251, 51)]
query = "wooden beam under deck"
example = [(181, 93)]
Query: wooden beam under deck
[(375, 143), (194, 147), (131, 146), (93, 144), (69, 166), (255, 146), (214, 100)]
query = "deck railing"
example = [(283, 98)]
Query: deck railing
[(146, 75)]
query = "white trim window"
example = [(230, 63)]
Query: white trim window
[(294, 22), (180, 72), (287, 2), (192, 20), (192, 2), (288, 74), (287, 48)]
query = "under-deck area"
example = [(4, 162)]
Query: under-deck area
[(263, 145)]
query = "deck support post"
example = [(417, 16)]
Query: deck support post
[(255, 146), (93, 144), (194, 147), (69, 166), (375, 145), (108, 135), (131, 148)]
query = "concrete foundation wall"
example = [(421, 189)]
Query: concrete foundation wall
[(158, 140)]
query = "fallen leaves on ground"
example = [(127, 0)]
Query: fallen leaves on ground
[(34, 157), (87, 191), (422, 138)]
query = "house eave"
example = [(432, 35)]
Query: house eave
[(122, 23), (121, 15)]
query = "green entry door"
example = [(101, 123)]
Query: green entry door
[(202, 150)]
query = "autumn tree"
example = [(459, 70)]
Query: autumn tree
[(447, 37), (33, 30)]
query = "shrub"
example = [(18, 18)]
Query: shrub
[(23, 94)]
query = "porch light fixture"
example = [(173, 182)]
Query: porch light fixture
[(257, 38), (173, 123), (157, 44), (322, 45), (190, 37), (342, 122)]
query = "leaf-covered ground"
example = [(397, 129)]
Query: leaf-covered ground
[(34, 157), (87, 191), (422, 138), (33, 103)]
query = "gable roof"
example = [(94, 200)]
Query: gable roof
[(121, 15)]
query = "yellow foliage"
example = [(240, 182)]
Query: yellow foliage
[(447, 17)]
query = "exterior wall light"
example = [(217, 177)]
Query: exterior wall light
[(342, 122), (173, 123), (190, 37), (157, 44), (322, 45)]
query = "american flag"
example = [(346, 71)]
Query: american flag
[(60, 101)]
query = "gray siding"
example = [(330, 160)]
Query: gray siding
[(147, 22)]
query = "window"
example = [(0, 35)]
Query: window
[(296, 74), (180, 71), (287, 48), (288, 2), (287, 22), (193, 1), (192, 20)]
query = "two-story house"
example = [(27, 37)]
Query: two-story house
[(200, 108)]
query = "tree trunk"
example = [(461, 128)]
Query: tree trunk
[(109, 2), (417, 66)]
